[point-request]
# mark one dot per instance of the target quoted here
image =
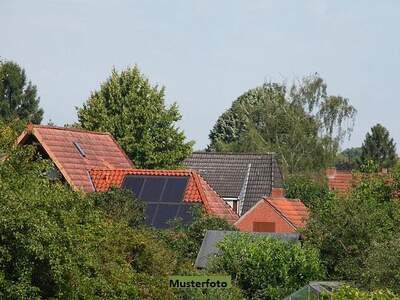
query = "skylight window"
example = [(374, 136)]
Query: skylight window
[(79, 148)]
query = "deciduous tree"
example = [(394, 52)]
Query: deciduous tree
[(134, 112), (302, 123)]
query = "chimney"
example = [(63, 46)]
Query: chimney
[(331, 172), (278, 193)]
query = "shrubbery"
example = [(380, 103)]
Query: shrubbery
[(58, 243), (347, 292), (311, 191), (186, 239), (358, 233), (266, 268)]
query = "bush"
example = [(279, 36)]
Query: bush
[(382, 265), (312, 192), (57, 243), (186, 239), (120, 204), (350, 232), (347, 292), (266, 268)]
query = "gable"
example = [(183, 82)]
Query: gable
[(75, 152), (262, 212), (249, 177)]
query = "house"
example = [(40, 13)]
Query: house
[(240, 179), (209, 247), (75, 151), (167, 193), (274, 214), (339, 180)]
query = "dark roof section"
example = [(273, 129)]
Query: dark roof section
[(233, 174), (209, 248)]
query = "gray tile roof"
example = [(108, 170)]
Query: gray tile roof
[(228, 173), (209, 248)]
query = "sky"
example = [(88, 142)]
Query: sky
[(207, 53)]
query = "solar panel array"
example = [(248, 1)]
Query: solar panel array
[(163, 196)]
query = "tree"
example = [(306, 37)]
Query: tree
[(379, 147), (264, 267), (18, 97), (134, 112), (313, 192), (303, 124), (349, 159), (350, 230)]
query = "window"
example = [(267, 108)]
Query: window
[(264, 226), (79, 148)]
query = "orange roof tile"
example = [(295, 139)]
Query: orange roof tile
[(293, 210), (339, 180), (197, 189), (100, 150)]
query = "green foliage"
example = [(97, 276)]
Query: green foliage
[(18, 97), (346, 292), (9, 132), (53, 241), (266, 268), (379, 147), (382, 265), (134, 112), (311, 191), (186, 239), (57, 243), (349, 159), (302, 124), (232, 293), (120, 204), (352, 229)]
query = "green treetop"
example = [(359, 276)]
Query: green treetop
[(134, 112), (379, 147), (18, 97), (302, 123)]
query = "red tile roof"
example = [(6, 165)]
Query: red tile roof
[(197, 190), (293, 210), (288, 216), (100, 150), (339, 180)]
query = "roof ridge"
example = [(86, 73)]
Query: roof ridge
[(280, 212), (145, 170), (269, 198), (234, 153), (32, 126)]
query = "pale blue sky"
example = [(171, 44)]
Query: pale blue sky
[(206, 53)]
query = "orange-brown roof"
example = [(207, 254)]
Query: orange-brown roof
[(197, 189), (100, 151), (293, 210), (339, 180)]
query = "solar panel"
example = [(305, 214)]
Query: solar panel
[(174, 189), (133, 183), (152, 189), (165, 213), (149, 213), (163, 196), (185, 212)]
